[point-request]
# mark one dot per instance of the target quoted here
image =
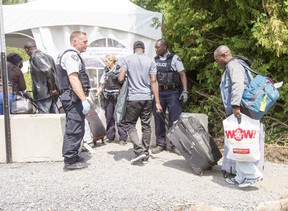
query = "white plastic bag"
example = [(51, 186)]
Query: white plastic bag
[(242, 138)]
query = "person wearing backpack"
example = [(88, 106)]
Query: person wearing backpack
[(233, 81)]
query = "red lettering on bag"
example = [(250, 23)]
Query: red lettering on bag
[(249, 133), (229, 133), (239, 134), (241, 151)]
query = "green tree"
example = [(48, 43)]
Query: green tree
[(255, 29), (8, 2), (152, 5)]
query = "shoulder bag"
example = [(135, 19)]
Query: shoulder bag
[(23, 105)]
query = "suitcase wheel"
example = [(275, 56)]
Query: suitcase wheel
[(225, 174), (95, 141), (209, 168), (201, 173)]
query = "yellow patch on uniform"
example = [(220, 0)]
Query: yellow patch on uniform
[(75, 57)]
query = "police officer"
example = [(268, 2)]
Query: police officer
[(172, 82), (111, 86), (74, 85)]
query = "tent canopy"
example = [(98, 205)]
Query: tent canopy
[(50, 23)]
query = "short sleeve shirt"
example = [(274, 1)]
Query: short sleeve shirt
[(71, 62), (102, 79), (139, 68), (176, 63)]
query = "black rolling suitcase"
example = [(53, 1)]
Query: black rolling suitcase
[(195, 144)]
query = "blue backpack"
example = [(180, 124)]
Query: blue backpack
[(259, 96)]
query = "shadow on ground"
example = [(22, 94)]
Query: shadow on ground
[(122, 154)]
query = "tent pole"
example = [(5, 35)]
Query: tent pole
[(4, 73)]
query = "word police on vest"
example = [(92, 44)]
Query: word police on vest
[(161, 64)]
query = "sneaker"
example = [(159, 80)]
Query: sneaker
[(232, 181), (146, 159), (260, 178), (138, 158), (80, 159), (76, 165), (157, 149), (122, 143), (109, 140), (176, 151), (248, 182)]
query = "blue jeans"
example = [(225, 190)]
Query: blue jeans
[(10, 97), (46, 106), (169, 100)]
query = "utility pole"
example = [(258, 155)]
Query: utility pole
[(4, 74)]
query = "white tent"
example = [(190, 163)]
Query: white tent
[(112, 26)]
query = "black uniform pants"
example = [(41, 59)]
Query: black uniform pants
[(74, 128)]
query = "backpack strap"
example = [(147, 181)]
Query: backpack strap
[(248, 68)]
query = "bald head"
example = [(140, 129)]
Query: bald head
[(222, 55), (30, 44), (30, 47), (222, 49)]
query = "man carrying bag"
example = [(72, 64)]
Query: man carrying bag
[(233, 81)]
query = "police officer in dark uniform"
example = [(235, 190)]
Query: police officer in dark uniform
[(172, 82), (74, 85), (111, 86)]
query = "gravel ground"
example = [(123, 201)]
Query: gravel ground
[(111, 183)]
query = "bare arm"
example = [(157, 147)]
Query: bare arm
[(100, 89), (77, 86), (183, 79), (122, 75), (155, 90)]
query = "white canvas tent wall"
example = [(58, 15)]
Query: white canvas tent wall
[(50, 23)]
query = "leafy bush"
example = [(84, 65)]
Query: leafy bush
[(254, 29)]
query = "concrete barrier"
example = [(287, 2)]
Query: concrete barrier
[(39, 137)]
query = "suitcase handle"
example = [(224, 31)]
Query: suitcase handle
[(165, 119), (184, 147)]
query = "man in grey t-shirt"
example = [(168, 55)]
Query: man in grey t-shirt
[(141, 75)]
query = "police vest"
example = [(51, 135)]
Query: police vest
[(166, 75), (111, 78), (62, 75)]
